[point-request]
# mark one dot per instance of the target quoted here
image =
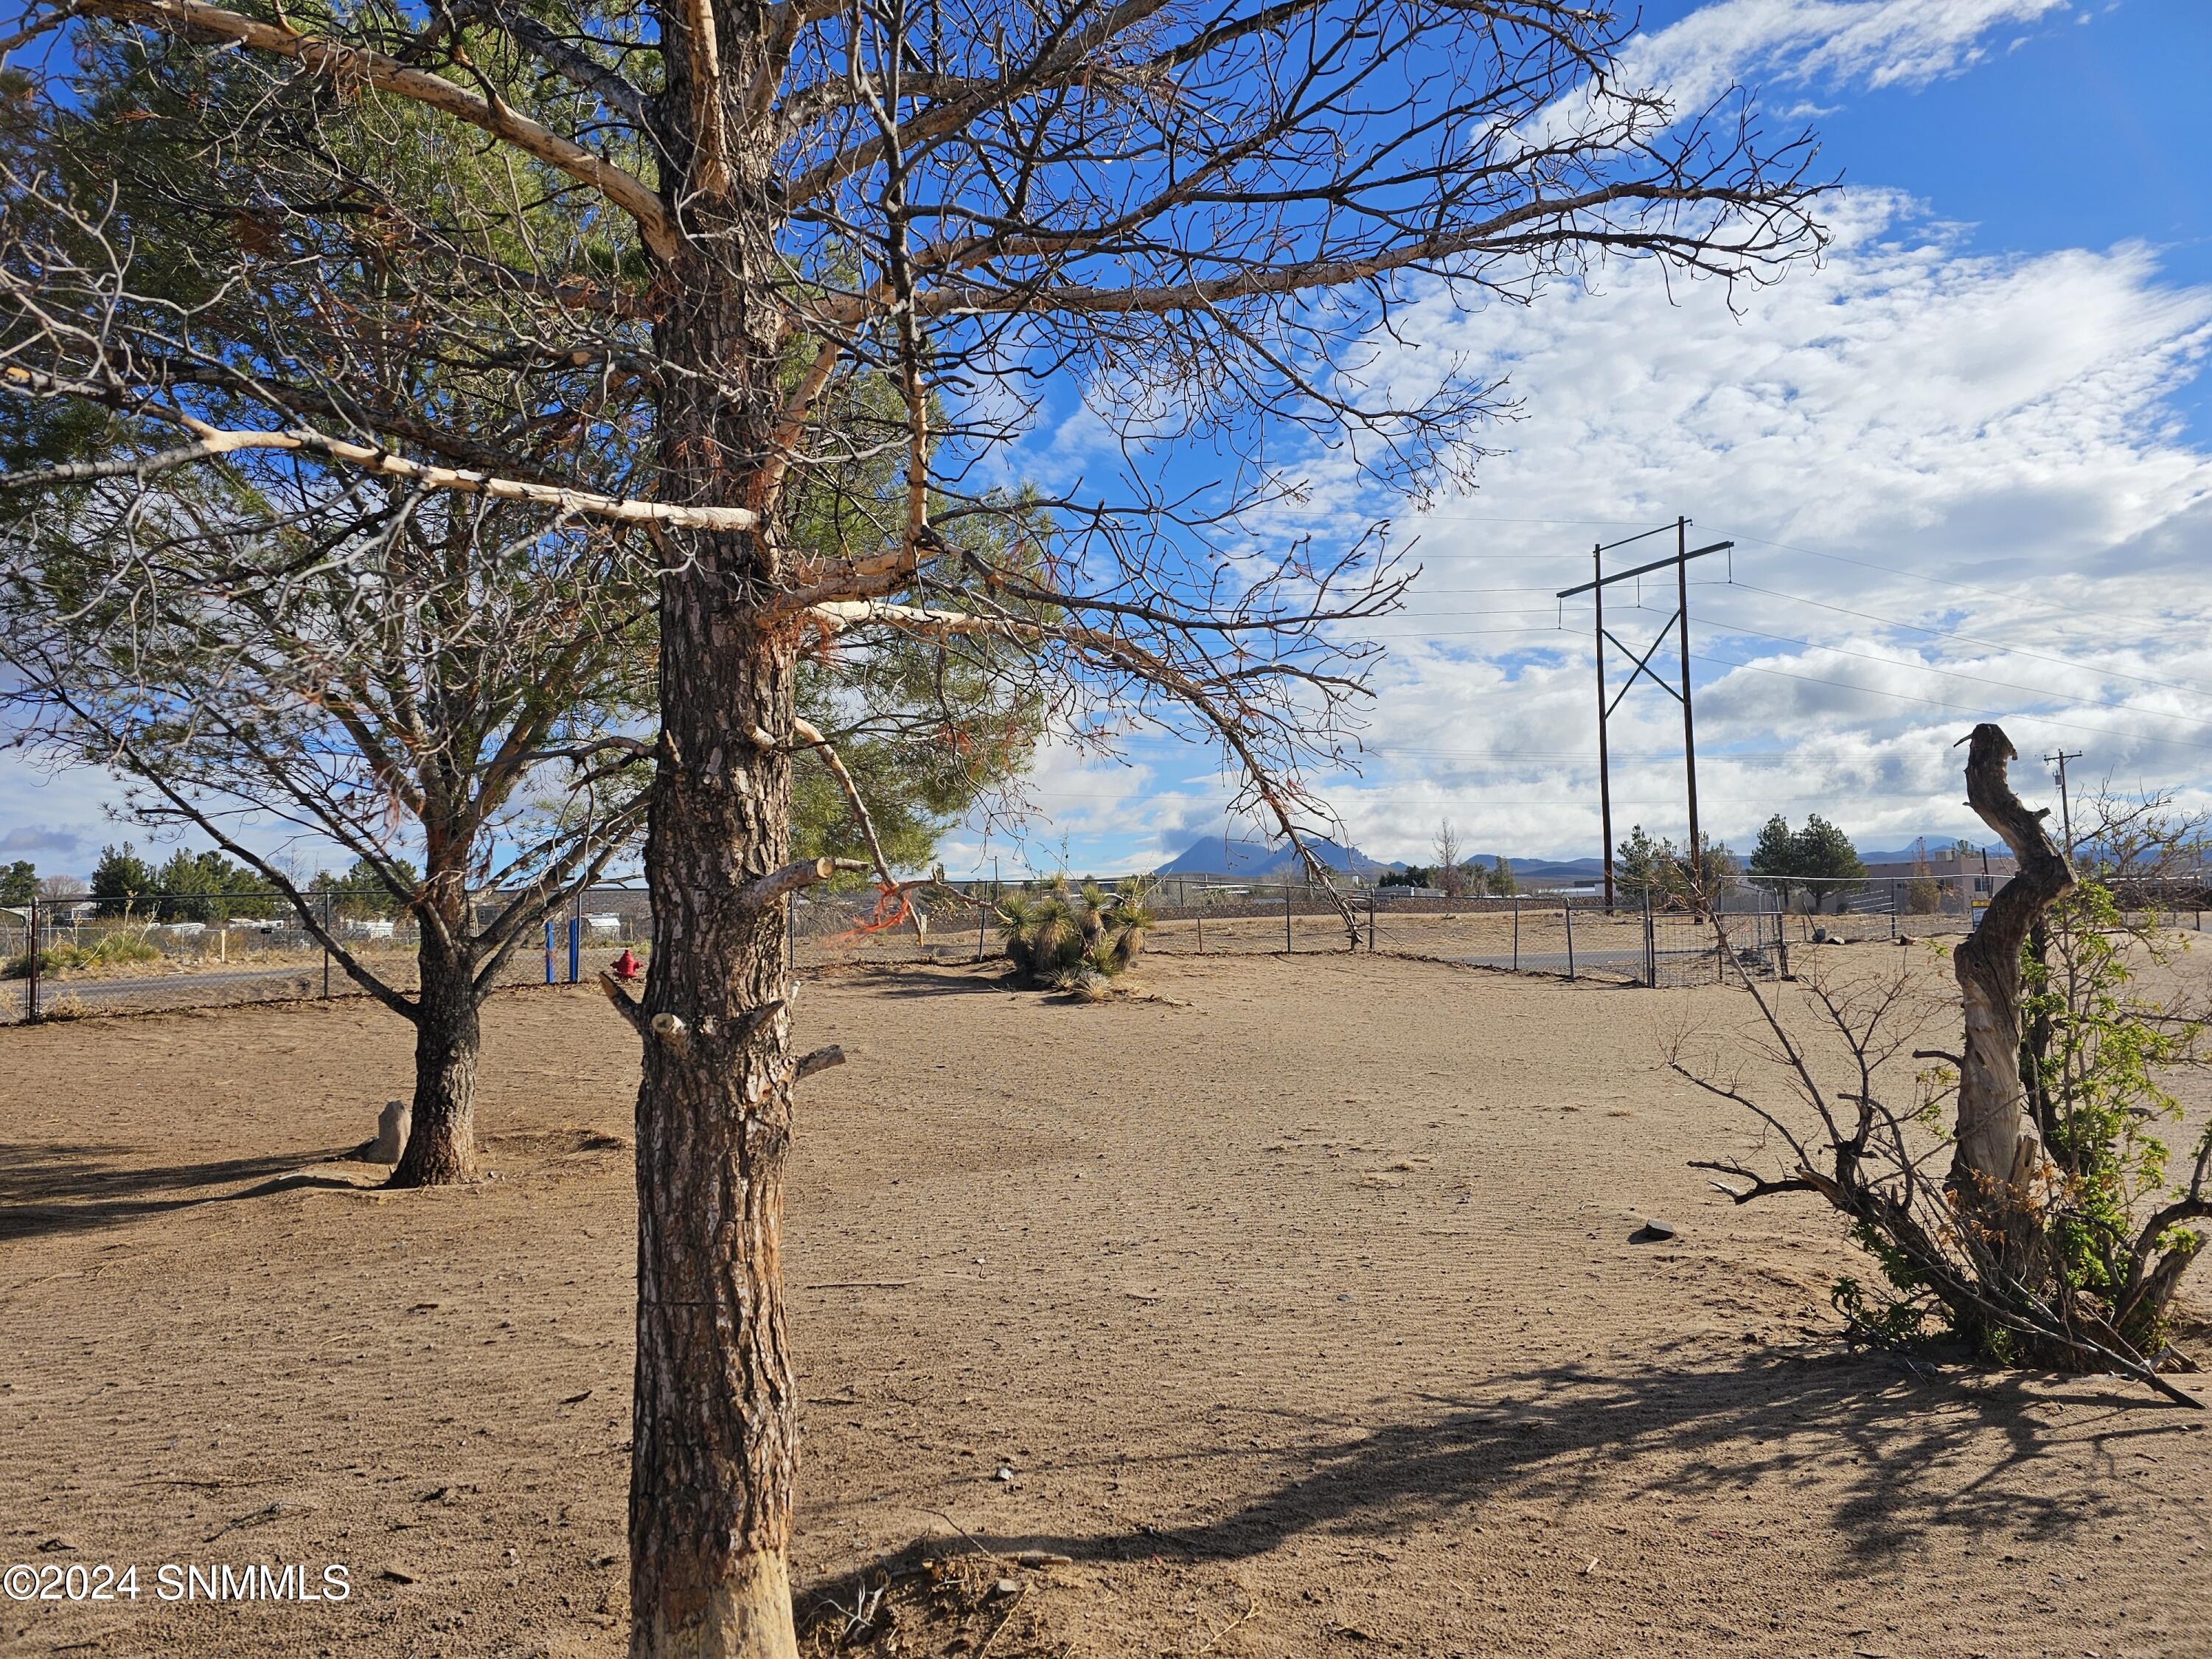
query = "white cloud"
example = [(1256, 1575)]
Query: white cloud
[(1873, 43), (2003, 424)]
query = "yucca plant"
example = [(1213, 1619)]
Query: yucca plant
[(1074, 940)]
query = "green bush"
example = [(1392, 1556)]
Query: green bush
[(1074, 940), (2094, 1055)]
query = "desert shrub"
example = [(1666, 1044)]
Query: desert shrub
[(1071, 939), (2093, 1052), (113, 949), (2094, 1287), (2062, 1232), (2111, 1218)]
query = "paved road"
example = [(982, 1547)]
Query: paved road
[(172, 990)]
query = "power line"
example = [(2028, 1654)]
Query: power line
[(1947, 633), (1741, 756), (1953, 674), (1351, 788), (2069, 609), (2105, 732)]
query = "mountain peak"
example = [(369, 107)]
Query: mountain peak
[(1227, 855)]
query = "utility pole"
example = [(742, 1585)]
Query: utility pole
[(1604, 766), (1689, 723), (2065, 806), (1678, 625)]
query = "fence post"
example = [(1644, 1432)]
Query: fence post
[(1371, 923), (791, 933), (575, 945), (1289, 945), (326, 949), (549, 950), (1516, 934), (1650, 946), (1201, 928), (982, 912), (31, 960), (1568, 905)]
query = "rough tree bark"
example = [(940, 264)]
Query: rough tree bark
[(1999, 1147), (441, 1143), (714, 1452), (714, 1444)]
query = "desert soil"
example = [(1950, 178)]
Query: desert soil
[(1299, 1311)]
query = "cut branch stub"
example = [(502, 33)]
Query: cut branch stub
[(1998, 1148), (803, 872)]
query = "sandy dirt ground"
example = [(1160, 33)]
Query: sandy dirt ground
[(1299, 1311)]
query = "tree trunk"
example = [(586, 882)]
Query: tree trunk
[(1998, 1149), (714, 1444), (441, 1142), (714, 1439)]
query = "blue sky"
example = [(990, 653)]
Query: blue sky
[(1968, 465), (1968, 462)]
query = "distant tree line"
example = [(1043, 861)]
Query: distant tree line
[(1472, 879), (1455, 873), (189, 886)]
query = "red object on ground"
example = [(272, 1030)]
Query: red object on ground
[(627, 966)]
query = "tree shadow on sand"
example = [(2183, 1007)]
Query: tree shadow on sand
[(47, 1189), (1899, 1457), (908, 980)]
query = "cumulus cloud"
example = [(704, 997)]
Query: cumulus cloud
[(1996, 434), (1959, 490)]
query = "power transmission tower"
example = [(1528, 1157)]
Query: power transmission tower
[(2066, 806), (1678, 624)]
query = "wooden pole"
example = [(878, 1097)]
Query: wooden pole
[(1689, 722), (1604, 766)]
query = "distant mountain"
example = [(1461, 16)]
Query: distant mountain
[(1259, 860), (1550, 869), (1935, 844), (1213, 855)]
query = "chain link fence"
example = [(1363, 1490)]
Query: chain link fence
[(168, 950), (1572, 935), (70, 957)]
